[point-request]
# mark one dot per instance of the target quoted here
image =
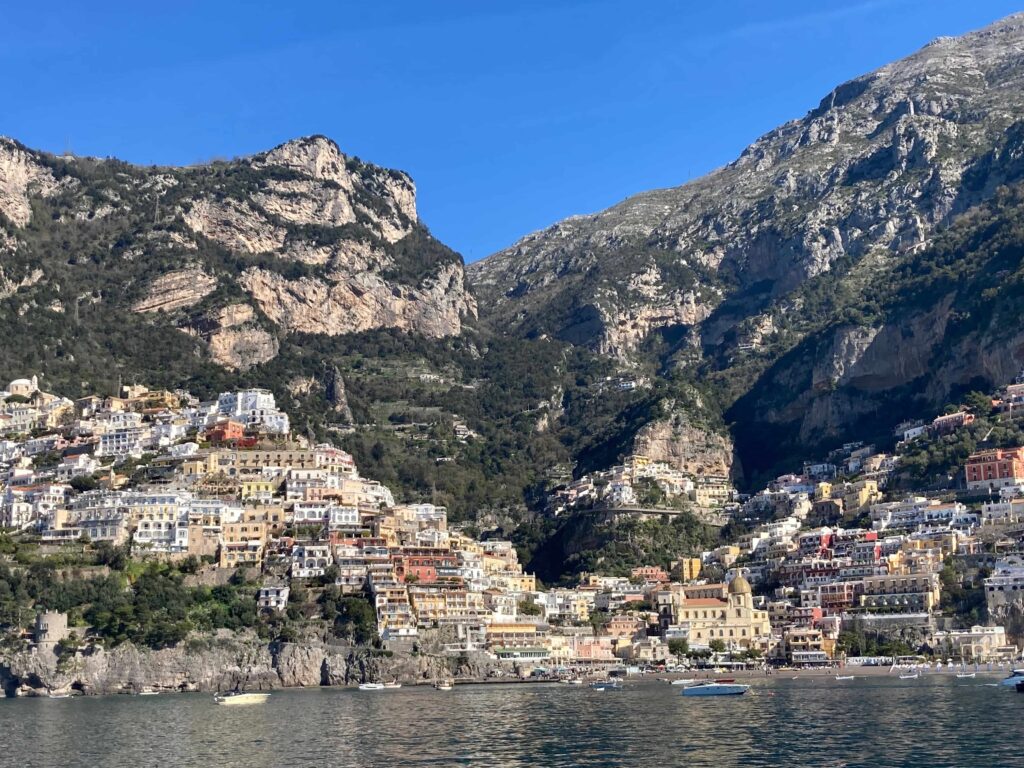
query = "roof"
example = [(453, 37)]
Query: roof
[(740, 586)]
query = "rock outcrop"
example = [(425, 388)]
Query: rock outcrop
[(351, 303), (692, 449), (175, 290), (226, 661), (22, 177)]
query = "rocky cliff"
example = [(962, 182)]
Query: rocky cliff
[(686, 446), (224, 662), (879, 164), (763, 275), (237, 256)]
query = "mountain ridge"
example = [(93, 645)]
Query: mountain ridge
[(718, 279)]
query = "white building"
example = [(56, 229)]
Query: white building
[(310, 560), (254, 408), (272, 598), (123, 442)]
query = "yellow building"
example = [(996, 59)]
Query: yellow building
[(271, 516), (686, 569), (857, 496), (201, 465), (514, 582), (242, 543), (733, 619), (258, 489)]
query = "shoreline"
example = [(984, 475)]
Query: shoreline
[(749, 676)]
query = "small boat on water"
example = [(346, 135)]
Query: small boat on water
[(911, 676), (715, 689), (443, 685), (1016, 676), (575, 681), (684, 681), (371, 687), (844, 677), (58, 696), (235, 698), (965, 675), (394, 684), (606, 685)]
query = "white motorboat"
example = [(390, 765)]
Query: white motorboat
[(606, 685), (393, 685), (684, 681), (371, 687), (844, 677), (911, 676), (443, 685), (716, 689), (965, 675), (236, 698)]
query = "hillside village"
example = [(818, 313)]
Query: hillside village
[(826, 566)]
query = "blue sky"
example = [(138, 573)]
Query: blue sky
[(509, 115)]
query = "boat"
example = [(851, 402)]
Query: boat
[(911, 676), (235, 698), (58, 696), (725, 679), (392, 685), (684, 681), (606, 685), (715, 689), (1016, 676), (575, 681), (371, 687), (844, 677), (149, 693), (443, 685), (965, 675)]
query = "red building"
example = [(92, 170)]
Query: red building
[(995, 469), (648, 573), (951, 422), (226, 432), (425, 565)]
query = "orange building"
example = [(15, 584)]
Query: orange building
[(995, 469), (228, 431)]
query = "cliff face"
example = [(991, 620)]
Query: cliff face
[(686, 446), (878, 165), (763, 277), (223, 663), (236, 255)]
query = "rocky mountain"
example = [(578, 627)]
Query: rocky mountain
[(850, 268), (236, 257), (728, 278)]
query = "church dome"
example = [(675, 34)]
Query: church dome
[(739, 586)]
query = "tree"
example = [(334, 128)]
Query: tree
[(717, 646), (979, 403), (678, 647), (527, 608)]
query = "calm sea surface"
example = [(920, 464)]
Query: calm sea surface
[(934, 721)]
